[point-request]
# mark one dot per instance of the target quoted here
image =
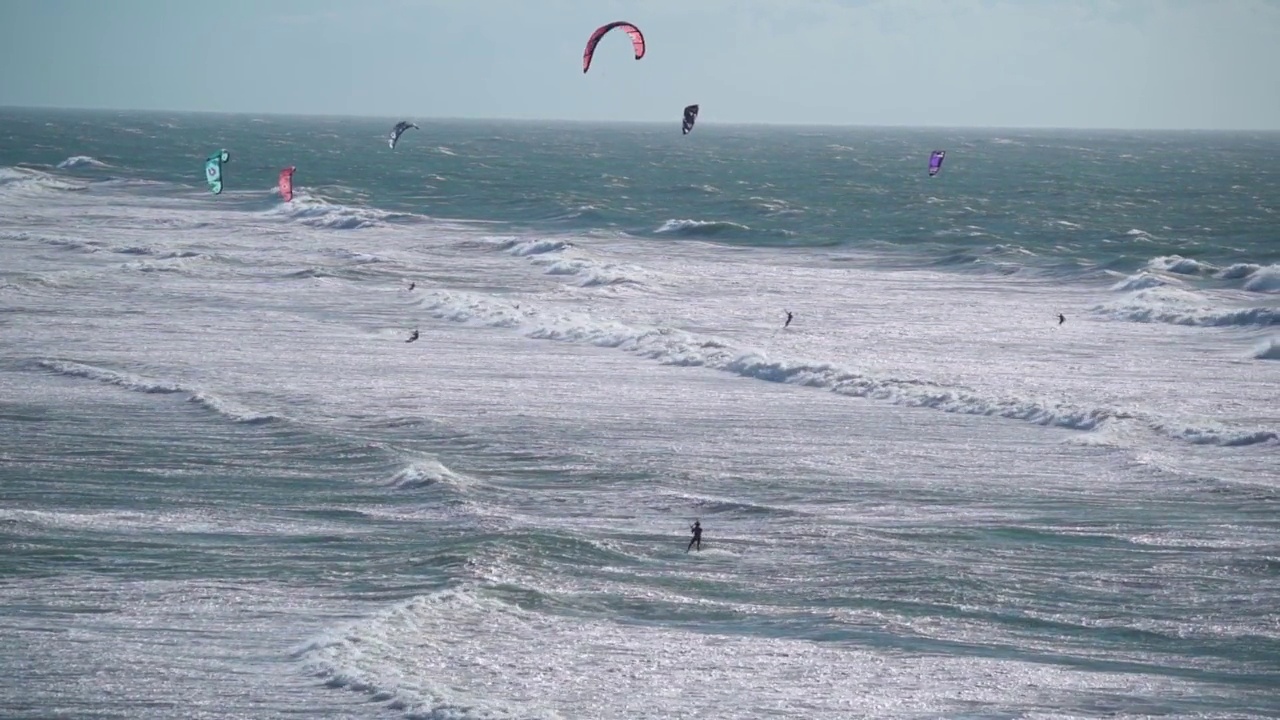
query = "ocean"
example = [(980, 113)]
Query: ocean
[(229, 488)]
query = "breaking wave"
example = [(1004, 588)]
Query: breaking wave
[(427, 472), (1140, 281), (316, 212), (25, 182), (675, 347), (1257, 278), (1239, 271), (561, 257), (81, 161), (1177, 306), (1180, 265), (1268, 349), (524, 247), (1264, 280)]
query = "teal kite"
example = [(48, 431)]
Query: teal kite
[(213, 170)]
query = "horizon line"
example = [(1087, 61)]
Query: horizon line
[(753, 124)]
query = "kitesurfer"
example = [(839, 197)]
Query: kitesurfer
[(413, 336), (412, 285), (1061, 318), (788, 322), (696, 529)]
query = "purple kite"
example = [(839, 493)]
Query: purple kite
[(637, 41), (935, 161)]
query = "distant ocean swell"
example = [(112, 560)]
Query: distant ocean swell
[(341, 208)]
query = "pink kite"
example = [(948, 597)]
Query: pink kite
[(286, 183), (637, 41)]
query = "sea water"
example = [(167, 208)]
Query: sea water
[(229, 488)]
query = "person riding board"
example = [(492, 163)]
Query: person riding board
[(696, 529)]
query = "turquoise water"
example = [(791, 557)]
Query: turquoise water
[(230, 488)]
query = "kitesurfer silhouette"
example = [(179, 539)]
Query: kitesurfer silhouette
[(696, 528), (412, 285), (1061, 318), (413, 336), (788, 322)]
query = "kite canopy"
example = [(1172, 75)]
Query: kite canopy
[(213, 170), (637, 41), (286, 183), (690, 117), (935, 161), (398, 130)]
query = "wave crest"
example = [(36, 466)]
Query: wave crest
[(1180, 265), (79, 161), (1140, 281), (1239, 271), (142, 384)]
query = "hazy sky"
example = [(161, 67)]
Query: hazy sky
[(1025, 63)]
